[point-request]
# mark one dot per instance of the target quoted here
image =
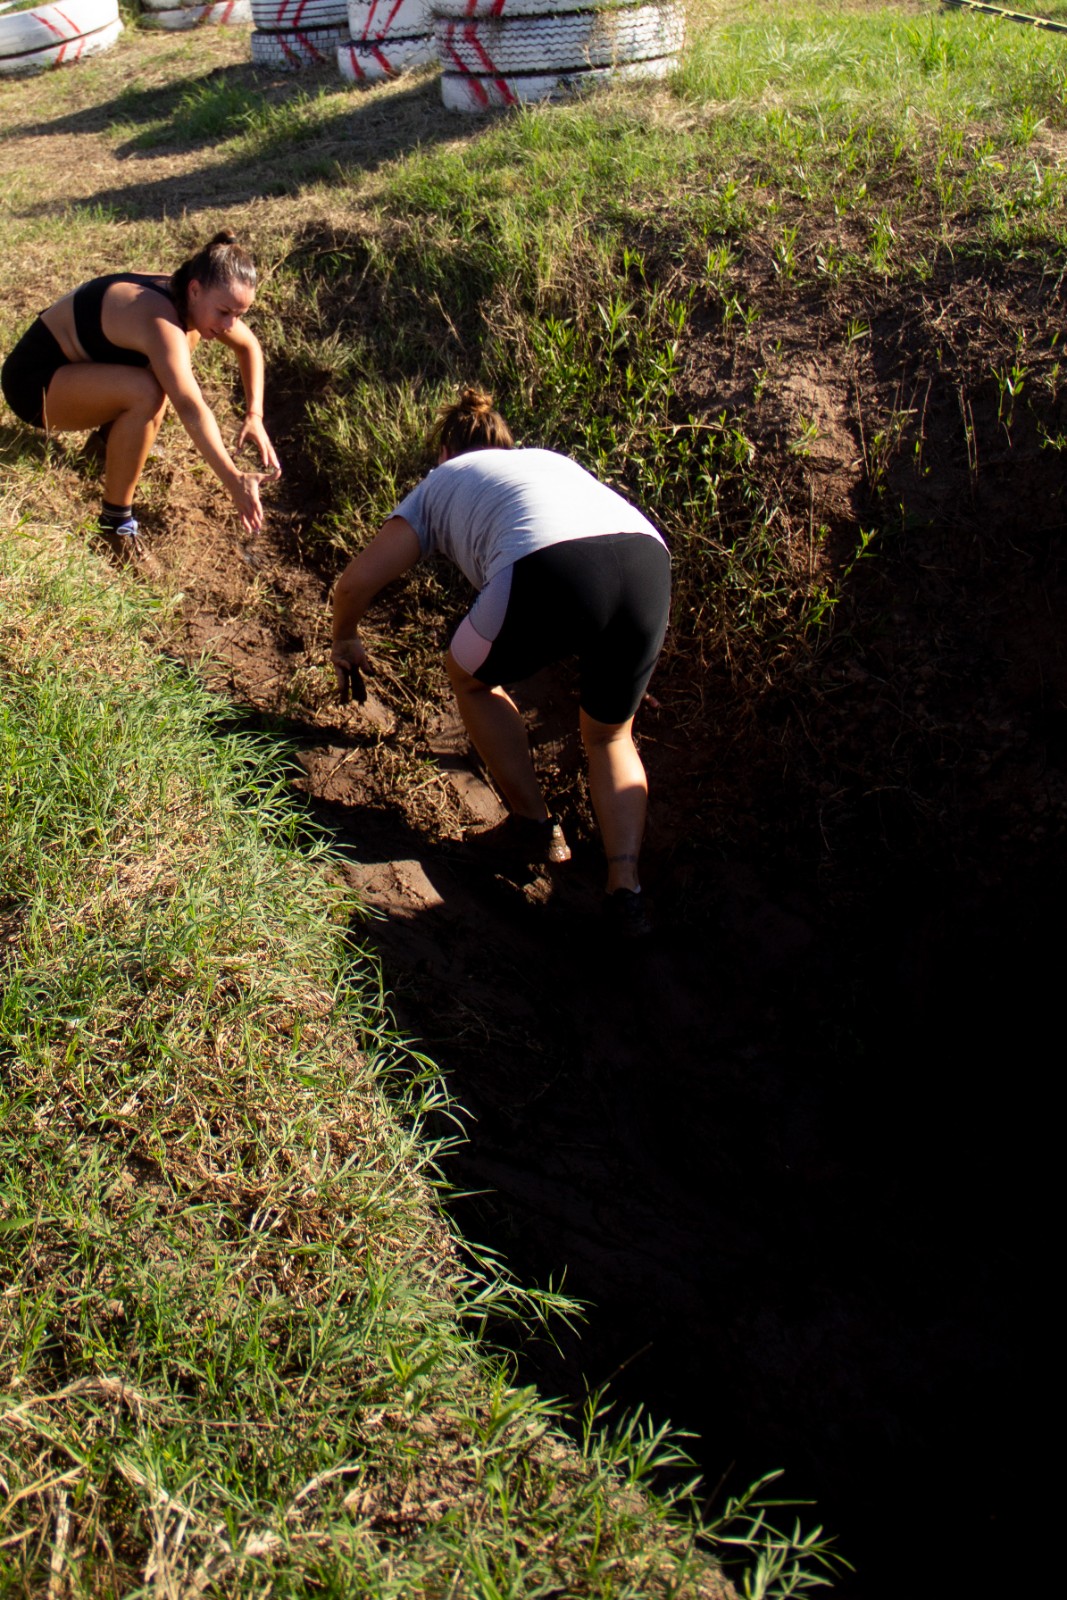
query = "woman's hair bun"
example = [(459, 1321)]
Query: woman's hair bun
[(470, 423), (475, 400)]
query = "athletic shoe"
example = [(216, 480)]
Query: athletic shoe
[(519, 841), (125, 542), (625, 911)]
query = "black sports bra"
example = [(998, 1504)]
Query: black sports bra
[(88, 317)]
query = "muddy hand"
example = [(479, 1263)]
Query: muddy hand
[(350, 686), (254, 433)]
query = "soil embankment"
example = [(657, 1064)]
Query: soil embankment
[(785, 1148)]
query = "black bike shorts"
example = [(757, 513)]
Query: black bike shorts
[(28, 371), (604, 600)]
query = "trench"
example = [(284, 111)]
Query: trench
[(795, 1150), (771, 1147)]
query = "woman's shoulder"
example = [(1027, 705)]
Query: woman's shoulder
[(132, 286)]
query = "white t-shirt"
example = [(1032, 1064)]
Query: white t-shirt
[(487, 509)]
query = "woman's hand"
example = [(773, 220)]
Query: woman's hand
[(253, 432), (244, 493), (350, 661)]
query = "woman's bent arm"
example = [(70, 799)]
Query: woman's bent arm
[(167, 349), (249, 352), (390, 553)]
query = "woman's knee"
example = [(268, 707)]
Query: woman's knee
[(462, 681), (598, 735), (145, 397)]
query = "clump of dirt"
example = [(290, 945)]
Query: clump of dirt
[(780, 1146)]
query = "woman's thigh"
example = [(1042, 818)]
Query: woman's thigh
[(618, 661), (476, 634), (86, 394)]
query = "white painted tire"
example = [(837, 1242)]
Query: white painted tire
[(291, 52), (565, 41), (478, 9), (389, 19), (63, 54), (169, 5), (26, 31), (477, 93), (297, 16), (372, 63), (228, 14)]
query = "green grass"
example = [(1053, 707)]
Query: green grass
[(238, 1345)]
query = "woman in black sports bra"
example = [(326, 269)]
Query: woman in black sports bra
[(112, 353)]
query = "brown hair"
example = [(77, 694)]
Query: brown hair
[(221, 262), (470, 423)]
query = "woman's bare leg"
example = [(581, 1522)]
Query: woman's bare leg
[(498, 733), (619, 787), (88, 395)]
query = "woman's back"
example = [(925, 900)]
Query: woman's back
[(486, 509)]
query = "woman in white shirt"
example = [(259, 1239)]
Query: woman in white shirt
[(564, 566)]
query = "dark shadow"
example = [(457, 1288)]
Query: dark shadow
[(19, 441), (765, 1158), (361, 133)]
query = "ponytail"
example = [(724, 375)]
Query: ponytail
[(470, 424), (220, 263)]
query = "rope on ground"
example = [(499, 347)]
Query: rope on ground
[(1012, 16)]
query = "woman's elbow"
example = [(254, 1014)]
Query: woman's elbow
[(354, 585)]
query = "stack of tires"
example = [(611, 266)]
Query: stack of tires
[(291, 34), (500, 52), (388, 37), (56, 35), (181, 14)]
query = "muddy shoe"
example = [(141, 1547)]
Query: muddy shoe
[(127, 546), (519, 842), (626, 914)]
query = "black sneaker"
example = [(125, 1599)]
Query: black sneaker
[(625, 911), (519, 842)]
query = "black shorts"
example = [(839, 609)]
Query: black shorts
[(28, 371), (604, 600)]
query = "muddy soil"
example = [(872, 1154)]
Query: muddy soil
[(791, 1149)]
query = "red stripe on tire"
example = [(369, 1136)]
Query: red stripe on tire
[(39, 16), (450, 31), (479, 49)]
